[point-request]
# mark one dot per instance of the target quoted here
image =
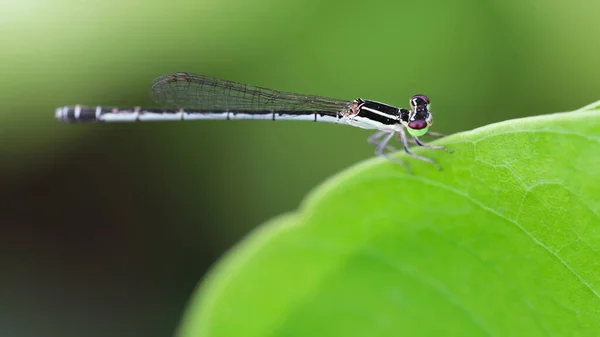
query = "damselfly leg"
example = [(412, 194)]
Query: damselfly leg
[(404, 142), (429, 146), (382, 138), (435, 134), (382, 145)]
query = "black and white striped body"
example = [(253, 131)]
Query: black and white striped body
[(83, 114), (379, 116), (364, 114)]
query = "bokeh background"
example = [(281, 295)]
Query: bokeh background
[(105, 230)]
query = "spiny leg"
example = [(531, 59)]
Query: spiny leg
[(416, 141), (429, 146), (375, 140), (384, 145), (414, 155)]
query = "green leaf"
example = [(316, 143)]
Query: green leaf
[(592, 106), (505, 241)]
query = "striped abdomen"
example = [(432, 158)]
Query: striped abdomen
[(83, 114)]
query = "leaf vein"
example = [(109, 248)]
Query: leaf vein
[(523, 229)]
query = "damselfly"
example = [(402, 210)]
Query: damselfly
[(185, 96)]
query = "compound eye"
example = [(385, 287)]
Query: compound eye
[(417, 125), (417, 128), (419, 100)]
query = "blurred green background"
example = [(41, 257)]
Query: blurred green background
[(106, 229)]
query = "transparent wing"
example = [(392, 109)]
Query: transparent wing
[(199, 92)]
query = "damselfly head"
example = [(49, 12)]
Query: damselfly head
[(420, 117), (419, 103)]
